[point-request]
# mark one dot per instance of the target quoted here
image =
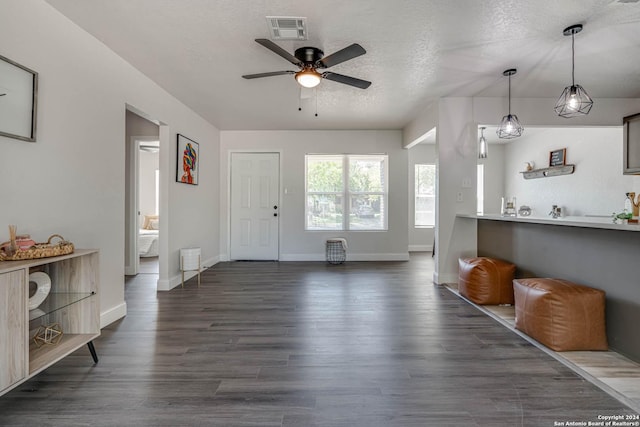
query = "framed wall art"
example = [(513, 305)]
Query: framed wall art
[(188, 160), (558, 157), (18, 96)]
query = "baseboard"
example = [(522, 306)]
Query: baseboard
[(113, 314), (208, 263), (303, 257), (175, 281), (420, 248), (401, 256), (442, 279)]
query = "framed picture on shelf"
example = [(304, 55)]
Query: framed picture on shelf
[(188, 159), (18, 95), (558, 157)]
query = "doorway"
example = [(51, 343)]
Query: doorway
[(255, 206), (142, 195)]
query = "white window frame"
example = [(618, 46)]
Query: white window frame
[(416, 195), (346, 194)]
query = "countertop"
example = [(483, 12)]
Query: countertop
[(568, 221)]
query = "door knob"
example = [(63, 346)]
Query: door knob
[(275, 214), (275, 207)]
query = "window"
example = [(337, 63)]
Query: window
[(346, 192), (480, 190), (425, 195)]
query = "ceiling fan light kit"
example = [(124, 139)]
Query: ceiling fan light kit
[(308, 78), (574, 101), (510, 126)]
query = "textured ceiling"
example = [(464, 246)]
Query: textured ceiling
[(417, 51)]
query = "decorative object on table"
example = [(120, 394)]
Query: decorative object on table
[(510, 126), (10, 247), (528, 166), (558, 157), (556, 211), (42, 282), (18, 95), (39, 250), (524, 210), (188, 159), (483, 149), (635, 204), (574, 101), (49, 334), (190, 261), (24, 241), (508, 206), (622, 217)]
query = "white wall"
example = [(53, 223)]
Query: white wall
[(420, 238), (457, 151), (295, 242), (597, 187), (72, 180)]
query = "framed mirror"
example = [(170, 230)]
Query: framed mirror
[(18, 95)]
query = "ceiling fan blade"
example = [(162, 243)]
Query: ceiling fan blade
[(342, 55), (273, 73), (279, 51), (351, 81)]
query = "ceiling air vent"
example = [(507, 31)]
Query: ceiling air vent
[(287, 27)]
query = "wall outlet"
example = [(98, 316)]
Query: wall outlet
[(466, 183), (459, 197)]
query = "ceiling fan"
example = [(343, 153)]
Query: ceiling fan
[(310, 59)]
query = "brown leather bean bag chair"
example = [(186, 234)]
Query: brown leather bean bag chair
[(560, 314), (486, 281)]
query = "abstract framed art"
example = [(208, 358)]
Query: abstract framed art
[(18, 95), (188, 161)]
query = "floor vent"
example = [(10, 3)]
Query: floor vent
[(287, 27)]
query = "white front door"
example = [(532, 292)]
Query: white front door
[(255, 204)]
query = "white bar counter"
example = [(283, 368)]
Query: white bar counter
[(605, 223), (591, 251)]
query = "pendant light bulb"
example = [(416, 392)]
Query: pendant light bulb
[(483, 149), (574, 101), (510, 126)]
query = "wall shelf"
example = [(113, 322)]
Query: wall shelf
[(547, 172)]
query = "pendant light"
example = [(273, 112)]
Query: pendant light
[(574, 100), (483, 149), (510, 126)]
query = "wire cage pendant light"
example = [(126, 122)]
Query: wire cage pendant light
[(483, 149), (510, 126), (574, 101)]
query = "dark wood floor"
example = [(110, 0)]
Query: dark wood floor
[(306, 344)]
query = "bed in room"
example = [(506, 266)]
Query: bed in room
[(148, 237)]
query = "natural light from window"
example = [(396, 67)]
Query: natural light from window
[(425, 195), (346, 192)]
